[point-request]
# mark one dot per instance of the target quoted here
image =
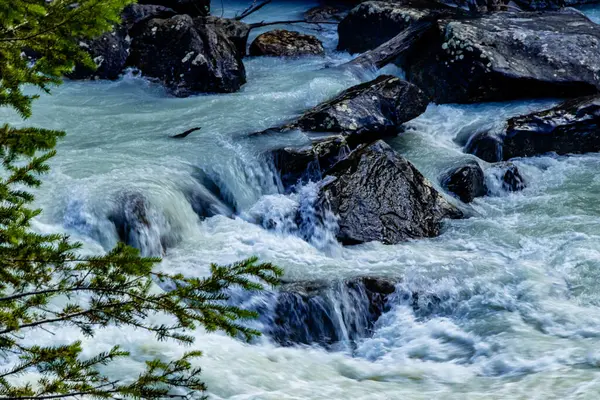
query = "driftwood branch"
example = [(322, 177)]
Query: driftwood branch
[(252, 8), (393, 48), (184, 134), (292, 21)]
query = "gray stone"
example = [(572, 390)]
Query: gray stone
[(282, 43)]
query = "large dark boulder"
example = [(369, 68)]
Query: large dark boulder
[(504, 56), (466, 182), (236, 31), (572, 127), (282, 43), (186, 57), (194, 8), (373, 23), (301, 164), (379, 195), (358, 115), (328, 313), (326, 13), (109, 52), (374, 109)]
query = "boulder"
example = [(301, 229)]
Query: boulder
[(535, 5), (466, 182), (236, 31), (186, 57), (300, 164), (134, 14), (109, 52), (379, 195), (284, 43), (194, 8), (358, 115), (571, 127), (373, 23), (505, 56), (373, 109), (328, 313)]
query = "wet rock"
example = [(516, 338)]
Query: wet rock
[(186, 57), (300, 164), (329, 313), (138, 226), (373, 109), (505, 56), (284, 43), (486, 146), (534, 5), (373, 23), (325, 13), (236, 31), (109, 52), (570, 128), (361, 114), (194, 8), (466, 182), (134, 14), (512, 180), (379, 195), (211, 197)]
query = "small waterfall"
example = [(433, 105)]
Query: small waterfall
[(333, 315), (297, 214)]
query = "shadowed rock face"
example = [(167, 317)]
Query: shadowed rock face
[(328, 313), (282, 43), (326, 13), (466, 182), (379, 195), (373, 23), (133, 14), (187, 58), (504, 56), (572, 127)]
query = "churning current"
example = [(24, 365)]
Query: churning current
[(510, 294)]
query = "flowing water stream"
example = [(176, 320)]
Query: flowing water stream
[(517, 284)]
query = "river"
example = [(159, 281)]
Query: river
[(518, 282)]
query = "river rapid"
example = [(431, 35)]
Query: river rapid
[(518, 283)]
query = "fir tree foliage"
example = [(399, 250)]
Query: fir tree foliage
[(45, 284)]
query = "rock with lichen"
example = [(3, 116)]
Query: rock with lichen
[(284, 43), (506, 56)]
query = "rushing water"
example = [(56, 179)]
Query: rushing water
[(518, 283)]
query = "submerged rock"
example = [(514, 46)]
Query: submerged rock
[(329, 313), (512, 180), (186, 57), (284, 43), (193, 8), (504, 56), (485, 145), (571, 127), (379, 195), (373, 23), (467, 182), (109, 52)]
